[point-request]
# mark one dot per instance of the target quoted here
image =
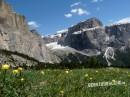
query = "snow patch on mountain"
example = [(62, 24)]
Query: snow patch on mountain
[(55, 45), (123, 21), (62, 31), (94, 28), (87, 29), (77, 32), (120, 22), (109, 54), (55, 35)]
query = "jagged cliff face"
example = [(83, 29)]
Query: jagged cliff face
[(94, 38), (16, 38), (120, 35), (89, 35), (98, 37), (90, 23), (9, 17), (58, 37), (91, 38)]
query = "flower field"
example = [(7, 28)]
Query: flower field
[(63, 83)]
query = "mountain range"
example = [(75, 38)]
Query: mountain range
[(77, 44), (91, 38)]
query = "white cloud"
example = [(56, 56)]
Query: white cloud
[(74, 10), (75, 4), (77, 9), (33, 25), (80, 11), (69, 15), (123, 21), (95, 1)]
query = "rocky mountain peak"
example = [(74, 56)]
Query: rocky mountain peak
[(89, 23), (93, 22), (88, 38), (8, 17)]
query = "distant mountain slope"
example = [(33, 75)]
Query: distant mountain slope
[(93, 39)]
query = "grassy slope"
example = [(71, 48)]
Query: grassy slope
[(49, 83)]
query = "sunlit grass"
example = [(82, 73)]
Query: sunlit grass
[(74, 83)]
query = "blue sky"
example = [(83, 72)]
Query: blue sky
[(50, 16)]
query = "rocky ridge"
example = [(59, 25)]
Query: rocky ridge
[(93, 39), (17, 40), (19, 45)]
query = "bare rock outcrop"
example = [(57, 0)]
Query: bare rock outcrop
[(16, 38)]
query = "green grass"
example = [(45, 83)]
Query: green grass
[(50, 83)]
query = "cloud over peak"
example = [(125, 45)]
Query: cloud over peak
[(33, 25), (75, 4), (68, 15), (79, 11), (123, 21)]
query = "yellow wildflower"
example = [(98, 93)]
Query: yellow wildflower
[(86, 75), (62, 92), (15, 71), (22, 79), (66, 71), (96, 71), (42, 72), (90, 78), (5, 67), (20, 69), (113, 81)]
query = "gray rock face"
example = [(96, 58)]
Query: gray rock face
[(99, 37), (91, 35), (16, 38), (20, 46), (90, 23), (58, 37), (120, 35), (90, 38), (49, 40)]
